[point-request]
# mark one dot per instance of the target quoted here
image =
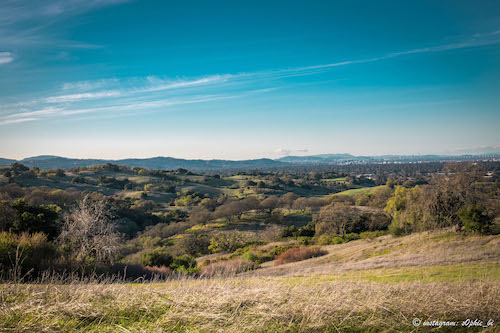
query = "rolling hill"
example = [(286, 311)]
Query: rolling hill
[(45, 162)]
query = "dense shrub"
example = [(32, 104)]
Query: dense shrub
[(230, 241), (475, 219), (157, 257), (249, 256), (24, 253), (184, 263), (133, 272), (298, 254), (193, 244), (372, 234), (277, 250), (34, 218)]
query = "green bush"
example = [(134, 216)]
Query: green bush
[(157, 257), (249, 256), (184, 263), (337, 240), (372, 234), (400, 228), (277, 250), (33, 218), (230, 241), (25, 252), (304, 240), (324, 240), (352, 236), (475, 219)]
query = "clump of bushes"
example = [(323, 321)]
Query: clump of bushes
[(373, 234), (158, 257), (298, 254), (25, 253), (230, 241), (250, 256), (277, 250), (475, 219), (185, 264)]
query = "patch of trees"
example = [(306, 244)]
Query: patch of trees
[(459, 197), (19, 216), (114, 182)]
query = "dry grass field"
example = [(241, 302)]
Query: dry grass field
[(366, 285)]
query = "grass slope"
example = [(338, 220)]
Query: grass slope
[(365, 285)]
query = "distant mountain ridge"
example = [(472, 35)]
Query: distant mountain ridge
[(45, 162), (161, 163)]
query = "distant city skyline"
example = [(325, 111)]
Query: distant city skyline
[(118, 79)]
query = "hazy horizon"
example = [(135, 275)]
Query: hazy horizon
[(226, 80), (273, 155)]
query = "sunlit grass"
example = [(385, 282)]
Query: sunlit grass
[(361, 286)]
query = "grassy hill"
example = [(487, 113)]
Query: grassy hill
[(379, 284)]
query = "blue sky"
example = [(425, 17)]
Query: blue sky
[(247, 79)]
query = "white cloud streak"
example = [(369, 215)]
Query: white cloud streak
[(82, 96), (6, 57), (158, 84), (16, 121)]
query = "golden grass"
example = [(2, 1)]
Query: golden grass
[(242, 305), (366, 285), (422, 249)]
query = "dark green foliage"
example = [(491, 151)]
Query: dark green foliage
[(78, 180), (194, 244), (183, 263), (157, 257), (18, 167), (277, 250), (475, 219), (33, 218), (113, 182)]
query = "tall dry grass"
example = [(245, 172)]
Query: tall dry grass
[(242, 305), (353, 288), (226, 268)]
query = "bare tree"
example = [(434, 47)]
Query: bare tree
[(288, 199), (269, 204), (336, 219), (314, 204), (88, 233)]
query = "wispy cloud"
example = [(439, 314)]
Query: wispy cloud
[(6, 57), (83, 96), (88, 85), (16, 121), (477, 40), (37, 113), (158, 84), (157, 92), (26, 24), (18, 10), (118, 108)]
